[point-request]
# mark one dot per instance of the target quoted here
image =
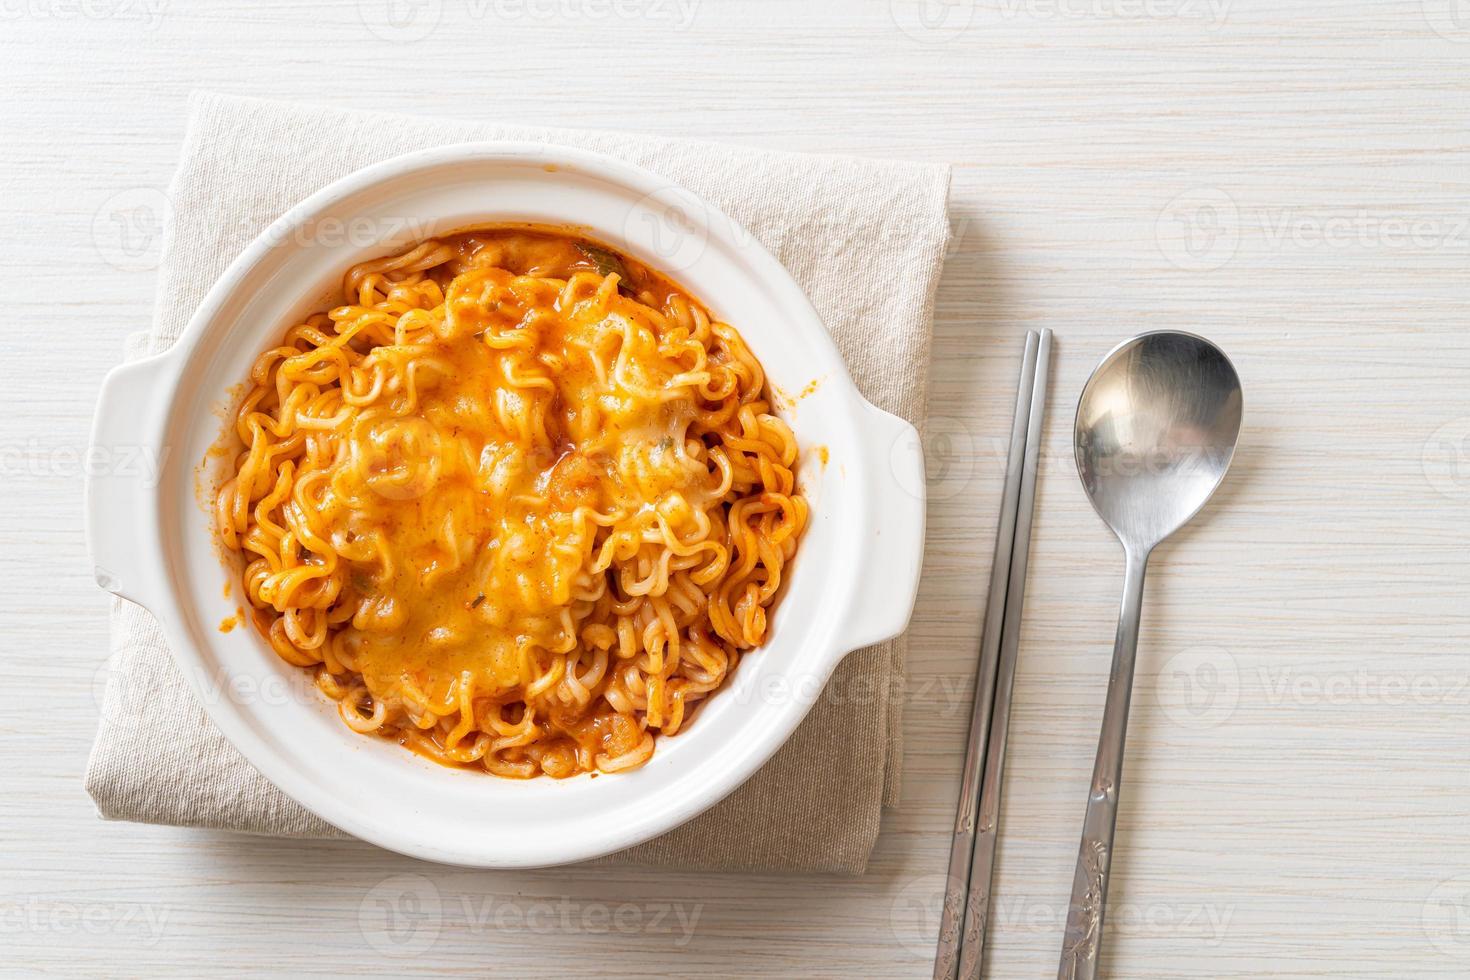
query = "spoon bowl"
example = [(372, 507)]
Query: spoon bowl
[(1156, 430)]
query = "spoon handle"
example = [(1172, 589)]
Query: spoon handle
[(1082, 944)]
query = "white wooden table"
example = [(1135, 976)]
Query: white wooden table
[(1290, 178)]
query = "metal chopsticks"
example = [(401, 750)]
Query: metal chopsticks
[(971, 860)]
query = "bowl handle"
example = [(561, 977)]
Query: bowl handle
[(885, 597), (124, 466)]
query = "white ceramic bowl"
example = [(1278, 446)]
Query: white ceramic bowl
[(852, 583)]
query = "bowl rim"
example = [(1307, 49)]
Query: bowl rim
[(170, 599)]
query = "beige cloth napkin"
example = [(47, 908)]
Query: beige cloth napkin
[(864, 238)]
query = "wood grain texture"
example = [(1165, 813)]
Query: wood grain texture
[(1291, 179)]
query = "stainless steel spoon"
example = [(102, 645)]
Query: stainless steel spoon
[(1155, 432)]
